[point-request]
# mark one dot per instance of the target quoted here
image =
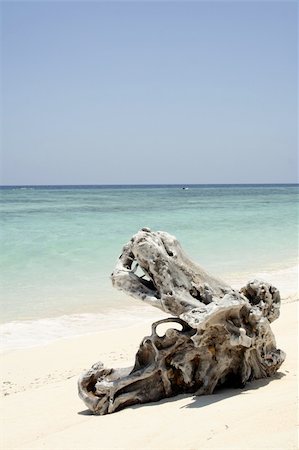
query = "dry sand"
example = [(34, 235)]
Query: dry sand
[(41, 409)]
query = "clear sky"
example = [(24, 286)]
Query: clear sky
[(149, 92)]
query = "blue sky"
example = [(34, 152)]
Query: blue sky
[(140, 92)]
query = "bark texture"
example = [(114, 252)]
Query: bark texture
[(225, 336)]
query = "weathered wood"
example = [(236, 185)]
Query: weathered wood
[(226, 336)]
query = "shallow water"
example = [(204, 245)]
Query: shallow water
[(60, 244)]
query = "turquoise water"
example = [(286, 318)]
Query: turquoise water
[(59, 245)]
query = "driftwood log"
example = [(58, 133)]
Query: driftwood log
[(225, 336)]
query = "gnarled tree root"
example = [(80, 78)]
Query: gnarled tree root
[(226, 338)]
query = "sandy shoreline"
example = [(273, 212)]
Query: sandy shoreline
[(123, 312), (43, 410)]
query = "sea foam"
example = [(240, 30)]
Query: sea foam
[(32, 333)]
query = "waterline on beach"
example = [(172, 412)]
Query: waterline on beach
[(31, 333)]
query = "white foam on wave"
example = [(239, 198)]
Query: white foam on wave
[(284, 279), (31, 333)]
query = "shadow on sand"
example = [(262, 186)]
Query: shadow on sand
[(85, 412), (220, 394)]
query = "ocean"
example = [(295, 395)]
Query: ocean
[(59, 245)]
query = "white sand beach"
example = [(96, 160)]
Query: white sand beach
[(178, 116), (41, 409)]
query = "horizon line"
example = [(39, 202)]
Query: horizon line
[(147, 184)]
